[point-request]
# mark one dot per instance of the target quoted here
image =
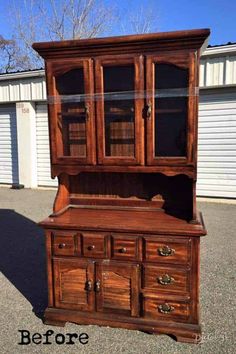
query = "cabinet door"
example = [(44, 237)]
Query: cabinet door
[(119, 88), (171, 104), (117, 288), (73, 284), (71, 111)]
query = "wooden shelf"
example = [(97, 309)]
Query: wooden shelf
[(123, 221)]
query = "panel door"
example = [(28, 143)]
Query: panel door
[(71, 111), (73, 284), (119, 102), (171, 104), (117, 288)]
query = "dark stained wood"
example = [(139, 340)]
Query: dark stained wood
[(166, 170), (154, 42), (64, 243), (123, 240), (165, 279), (113, 220), (93, 245), (124, 247), (167, 250), (71, 284), (179, 311), (118, 291)]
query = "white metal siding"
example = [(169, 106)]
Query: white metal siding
[(217, 145), (8, 146), (22, 89), (218, 71), (43, 154)]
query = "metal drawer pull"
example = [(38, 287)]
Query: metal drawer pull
[(97, 286), (165, 308), (123, 250), (61, 245), (165, 279), (88, 285), (165, 251), (91, 247)]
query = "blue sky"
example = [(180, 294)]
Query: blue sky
[(218, 15)]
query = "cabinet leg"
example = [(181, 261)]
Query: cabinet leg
[(57, 323), (195, 339)]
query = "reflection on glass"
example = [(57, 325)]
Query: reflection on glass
[(170, 112), (119, 113), (72, 118)]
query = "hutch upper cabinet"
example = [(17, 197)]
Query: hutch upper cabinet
[(123, 239), (125, 109)]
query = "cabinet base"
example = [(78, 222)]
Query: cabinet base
[(183, 332)]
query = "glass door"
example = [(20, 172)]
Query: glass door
[(119, 90), (170, 109), (72, 111)]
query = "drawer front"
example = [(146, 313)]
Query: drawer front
[(165, 278), (167, 250), (94, 245), (124, 247), (160, 309), (65, 243)]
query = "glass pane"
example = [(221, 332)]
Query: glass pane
[(72, 118), (119, 111), (170, 110)]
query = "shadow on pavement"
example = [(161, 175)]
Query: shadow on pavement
[(22, 257)]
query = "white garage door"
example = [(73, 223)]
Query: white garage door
[(8, 146), (43, 155), (217, 146)]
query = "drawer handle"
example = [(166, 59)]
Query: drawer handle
[(165, 251), (91, 247), (165, 308), (165, 279), (122, 250), (88, 285), (61, 245), (97, 286)]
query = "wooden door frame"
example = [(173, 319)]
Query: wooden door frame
[(53, 69), (121, 60), (185, 60)]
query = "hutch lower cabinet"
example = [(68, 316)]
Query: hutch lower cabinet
[(123, 239)]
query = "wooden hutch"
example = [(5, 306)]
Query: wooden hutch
[(123, 239)]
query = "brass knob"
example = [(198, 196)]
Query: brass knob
[(165, 279), (88, 285), (91, 247), (97, 286), (123, 250), (165, 251), (165, 308), (87, 112), (149, 110), (61, 245)]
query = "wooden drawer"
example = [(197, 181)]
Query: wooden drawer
[(167, 250), (94, 245), (124, 247), (163, 309), (65, 243), (165, 278)]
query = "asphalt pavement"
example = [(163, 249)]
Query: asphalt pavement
[(23, 291)]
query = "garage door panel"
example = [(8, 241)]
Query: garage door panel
[(217, 146), (8, 145), (43, 151)]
